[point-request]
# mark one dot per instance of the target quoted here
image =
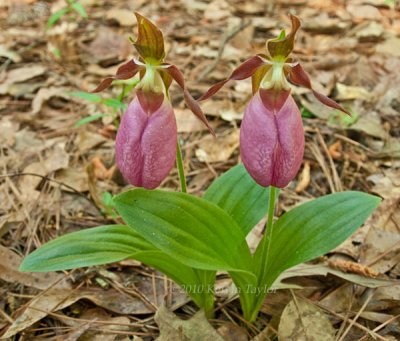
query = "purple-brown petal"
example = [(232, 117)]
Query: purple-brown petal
[(243, 71), (146, 144), (272, 142), (298, 76), (192, 104), (125, 71)]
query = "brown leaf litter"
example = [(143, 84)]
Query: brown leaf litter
[(53, 176)]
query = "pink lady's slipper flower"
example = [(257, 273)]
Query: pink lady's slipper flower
[(271, 134), (146, 141)]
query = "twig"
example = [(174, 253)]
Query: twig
[(353, 321), (228, 36), (334, 173), (12, 175), (384, 324), (296, 303)]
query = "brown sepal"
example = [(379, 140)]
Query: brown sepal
[(298, 76), (125, 71), (283, 47), (192, 104), (243, 71)]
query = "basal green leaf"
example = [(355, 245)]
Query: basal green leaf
[(198, 284), (316, 227), (94, 246), (189, 229), (112, 243), (240, 196)]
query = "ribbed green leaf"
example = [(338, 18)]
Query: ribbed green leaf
[(240, 196), (94, 246), (109, 244), (198, 284), (316, 227), (189, 229)]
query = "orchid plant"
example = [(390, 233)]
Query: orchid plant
[(189, 238)]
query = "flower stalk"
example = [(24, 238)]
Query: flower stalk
[(181, 169)]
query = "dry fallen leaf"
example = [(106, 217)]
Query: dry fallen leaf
[(44, 94), (8, 128), (21, 75), (303, 321), (305, 178), (86, 140), (231, 331), (9, 272), (346, 92), (302, 270), (390, 46), (55, 159), (364, 12), (109, 46), (173, 328), (7, 53), (187, 122), (107, 327), (217, 149), (56, 299), (217, 10), (124, 17), (381, 247), (75, 178), (386, 183)]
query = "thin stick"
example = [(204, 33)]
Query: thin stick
[(384, 324), (354, 320), (228, 36), (12, 175)]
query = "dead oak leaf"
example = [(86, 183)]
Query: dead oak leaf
[(217, 149), (9, 272), (173, 328), (302, 320)]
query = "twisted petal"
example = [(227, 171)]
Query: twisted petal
[(272, 142), (146, 144)]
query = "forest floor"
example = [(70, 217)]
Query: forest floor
[(56, 172)]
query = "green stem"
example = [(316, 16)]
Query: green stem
[(179, 165), (261, 256), (269, 228)]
